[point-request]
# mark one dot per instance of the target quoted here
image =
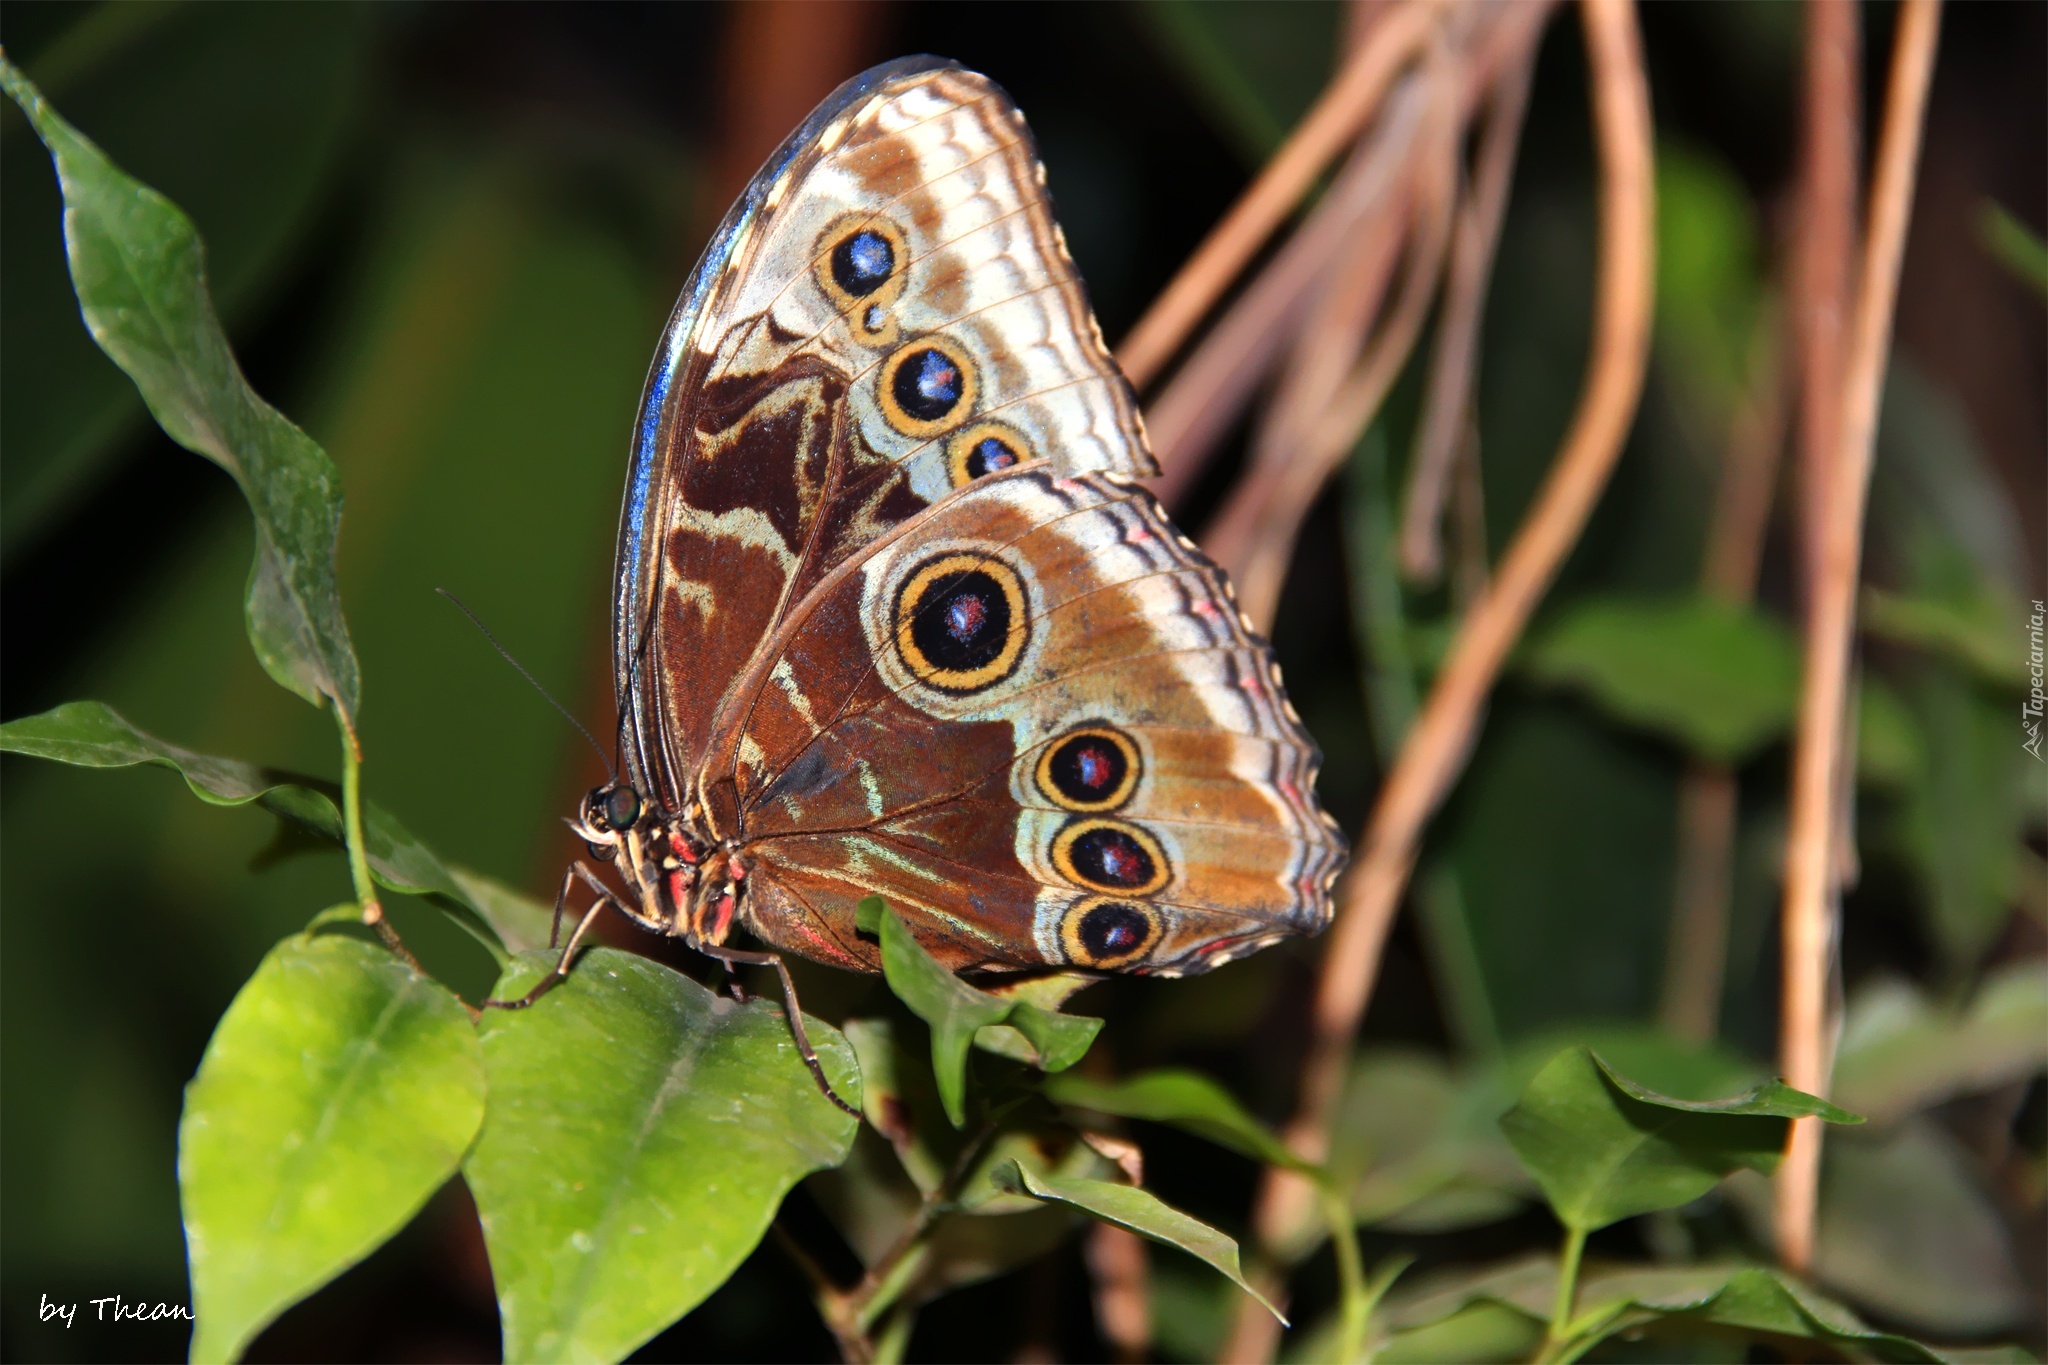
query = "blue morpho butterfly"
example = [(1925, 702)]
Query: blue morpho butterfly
[(892, 616)]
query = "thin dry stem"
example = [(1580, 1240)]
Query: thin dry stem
[(1442, 735), (1315, 416), (1447, 405), (1810, 866), (1212, 387), (1122, 1273), (1341, 111), (1829, 139)]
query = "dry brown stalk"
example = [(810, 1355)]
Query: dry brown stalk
[(1324, 400), (1819, 753), (1122, 1275), (1829, 141), (1697, 950), (1215, 383), (1435, 749), (1331, 124), (1447, 405)]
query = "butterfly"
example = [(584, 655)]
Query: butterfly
[(891, 614)]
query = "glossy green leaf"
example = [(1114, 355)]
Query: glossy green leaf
[(245, 116), (1901, 1053), (1185, 1099), (1139, 1210), (642, 1132), (93, 735), (340, 1090), (1604, 1148), (1750, 1301), (957, 1012), (139, 269)]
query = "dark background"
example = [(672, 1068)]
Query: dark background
[(444, 238)]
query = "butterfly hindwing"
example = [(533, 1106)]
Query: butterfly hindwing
[(1055, 706)]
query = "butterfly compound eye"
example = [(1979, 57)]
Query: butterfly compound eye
[(621, 808)]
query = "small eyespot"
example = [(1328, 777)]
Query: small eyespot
[(1110, 855), (1092, 768), (982, 449), (1099, 932), (863, 262), (962, 622), (927, 387)]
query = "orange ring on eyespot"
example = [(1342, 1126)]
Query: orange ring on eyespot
[(964, 449), (1112, 856), (1098, 931), (858, 301), (1077, 763), (962, 621), (926, 387)]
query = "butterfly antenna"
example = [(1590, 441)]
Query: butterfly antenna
[(463, 607)]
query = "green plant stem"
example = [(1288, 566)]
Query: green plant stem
[(1567, 1291), (1354, 1297), (352, 821), (900, 1265), (352, 831)]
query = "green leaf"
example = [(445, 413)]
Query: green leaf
[(1900, 1054), (957, 1012), (93, 735), (1697, 1300), (340, 1089), (1904, 1229), (1185, 1099), (1139, 1210), (139, 269), (1718, 679), (1420, 1150), (1604, 1148), (2017, 247), (642, 1133)]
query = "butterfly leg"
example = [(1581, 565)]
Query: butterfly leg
[(605, 896), (738, 957)]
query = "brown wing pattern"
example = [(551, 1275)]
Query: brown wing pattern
[(892, 618), (1040, 727), (910, 234)]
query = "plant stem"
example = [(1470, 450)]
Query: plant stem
[(1567, 1291), (352, 821), (352, 834), (1354, 1298)]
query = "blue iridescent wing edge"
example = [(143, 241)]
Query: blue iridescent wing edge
[(632, 590)]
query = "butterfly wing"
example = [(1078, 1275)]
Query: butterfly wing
[(888, 311), (1036, 723)]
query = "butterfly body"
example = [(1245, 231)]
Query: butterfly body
[(893, 615)]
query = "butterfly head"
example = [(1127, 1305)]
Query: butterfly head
[(608, 814)]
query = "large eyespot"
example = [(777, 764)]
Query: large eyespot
[(1093, 768), (962, 622), (927, 387), (984, 448), (1099, 932), (1110, 855), (861, 265)]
